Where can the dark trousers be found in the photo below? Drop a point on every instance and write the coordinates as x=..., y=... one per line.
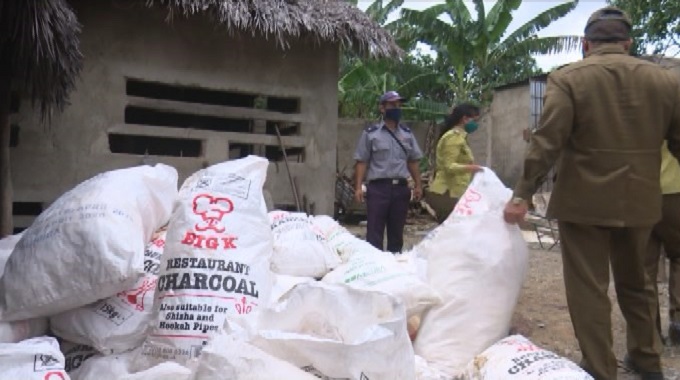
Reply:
x=387, y=206
x=587, y=252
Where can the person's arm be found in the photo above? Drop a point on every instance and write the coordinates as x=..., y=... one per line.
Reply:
x=362, y=155
x=414, y=170
x=546, y=144
x=414, y=157
x=452, y=146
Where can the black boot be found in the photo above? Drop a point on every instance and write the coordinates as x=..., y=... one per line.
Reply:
x=628, y=362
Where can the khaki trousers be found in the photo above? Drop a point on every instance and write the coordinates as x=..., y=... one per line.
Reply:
x=442, y=204
x=587, y=252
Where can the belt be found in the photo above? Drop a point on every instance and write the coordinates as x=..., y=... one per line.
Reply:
x=391, y=181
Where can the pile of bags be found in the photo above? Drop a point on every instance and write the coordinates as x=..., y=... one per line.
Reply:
x=127, y=277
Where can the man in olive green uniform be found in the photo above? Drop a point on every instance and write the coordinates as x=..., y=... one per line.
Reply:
x=605, y=118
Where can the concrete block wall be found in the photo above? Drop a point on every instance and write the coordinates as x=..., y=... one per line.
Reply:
x=127, y=45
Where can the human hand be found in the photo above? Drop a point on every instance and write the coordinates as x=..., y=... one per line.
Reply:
x=417, y=193
x=359, y=195
x=515, y=211
x=474, y=168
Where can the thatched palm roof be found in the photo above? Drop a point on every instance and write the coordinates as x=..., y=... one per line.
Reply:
x=39, y=47
x=325, y=20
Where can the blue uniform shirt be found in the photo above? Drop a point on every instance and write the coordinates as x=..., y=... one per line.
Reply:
x=383, y=155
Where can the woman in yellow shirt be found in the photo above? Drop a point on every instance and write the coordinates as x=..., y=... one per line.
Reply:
x=454, y=161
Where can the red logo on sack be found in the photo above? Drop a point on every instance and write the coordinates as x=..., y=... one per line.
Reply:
x=54, y=376
x=242, y=307
x=135, y=297
x=211, y=210
x=464, y=206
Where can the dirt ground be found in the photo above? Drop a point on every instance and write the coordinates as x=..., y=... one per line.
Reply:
x=541, y=314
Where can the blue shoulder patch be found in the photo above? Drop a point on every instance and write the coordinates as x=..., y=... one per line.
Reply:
x=405, y=128
x=371, y=128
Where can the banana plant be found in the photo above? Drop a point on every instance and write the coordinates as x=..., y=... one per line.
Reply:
x=475, y=49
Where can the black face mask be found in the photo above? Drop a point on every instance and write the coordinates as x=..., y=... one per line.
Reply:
x=393, y=114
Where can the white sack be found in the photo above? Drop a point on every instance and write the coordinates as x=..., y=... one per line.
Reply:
x=339, y=239
x=14, y=332
x=300, y=249
x=101, y=367
x=284, y=284
x=75, y=355
x=216, y=259
x=342, y=332
x=89, y=244
x=380, y=271
x=515, y=357
x=413, y=262
x=229, y=358
x=163, y=371
x=119, y=323
x=425, y=372
x=85, y=363
x=477, y=263
x=32, y=359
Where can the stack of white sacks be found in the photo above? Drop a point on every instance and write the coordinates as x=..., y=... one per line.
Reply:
x=125, y=277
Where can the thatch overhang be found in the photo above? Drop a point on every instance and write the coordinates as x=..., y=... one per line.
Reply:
x=335, y=21
x=40, y=50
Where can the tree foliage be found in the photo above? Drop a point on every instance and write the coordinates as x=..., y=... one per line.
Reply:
x=470, y=55
x=656, y=24
x=478, y=52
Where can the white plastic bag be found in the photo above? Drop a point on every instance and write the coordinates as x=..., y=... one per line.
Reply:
x=7, y=245
x=425, y=372
x=85, y=363
x=339, y=239
x=414, y=263
x=284, y=284
x=300, y=249
x=342, y=332
x=119, y=323
x=515, y=357
x=216, y=260
x=32, y=359
x=14, y=332
x=228, y=358
x=163, y=371
x=380, y=271
x=477, y=264
x=89, y=244
x=75, y=356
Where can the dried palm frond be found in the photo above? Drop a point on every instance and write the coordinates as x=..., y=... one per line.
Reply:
x=335, y=21
x=39, y=44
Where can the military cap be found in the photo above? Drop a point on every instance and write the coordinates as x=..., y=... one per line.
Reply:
x=608, y=24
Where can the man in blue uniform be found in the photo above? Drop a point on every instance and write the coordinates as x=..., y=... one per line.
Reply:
x=385, y=155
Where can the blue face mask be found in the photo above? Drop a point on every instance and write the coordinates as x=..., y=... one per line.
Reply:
x=393, y=114
x=471, y=126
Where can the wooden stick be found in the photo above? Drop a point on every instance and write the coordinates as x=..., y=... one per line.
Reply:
x=290, y=176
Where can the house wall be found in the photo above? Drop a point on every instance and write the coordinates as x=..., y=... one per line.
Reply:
x=480, y=140
x=510, y=114
x=509, y=117
x=123, y=41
